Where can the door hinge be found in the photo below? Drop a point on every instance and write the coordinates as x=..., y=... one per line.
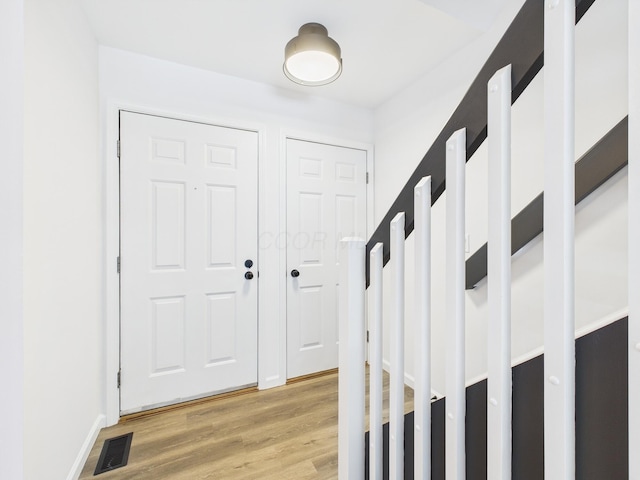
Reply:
x=367, y=178
x=119, y=377
x=118, y=264
x=367, y=336
x=118, y=148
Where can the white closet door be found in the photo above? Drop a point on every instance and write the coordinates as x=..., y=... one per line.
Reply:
x=188, y=225
x=326, y=201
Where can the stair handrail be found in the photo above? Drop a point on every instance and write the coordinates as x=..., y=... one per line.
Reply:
x=522, y=46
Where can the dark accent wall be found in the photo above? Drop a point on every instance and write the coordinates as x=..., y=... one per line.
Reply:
x=527, y=455
x=602, y=445
x=521, y=46
x=476, y=431
x=602, y=414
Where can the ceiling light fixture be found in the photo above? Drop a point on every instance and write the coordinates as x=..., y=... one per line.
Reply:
x=312, y=58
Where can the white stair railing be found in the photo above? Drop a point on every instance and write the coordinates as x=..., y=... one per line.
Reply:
x=559, y=338
x=396, y=352
x=634, y=238
x=375, y=363
x=351, y=353
x=559, y=213
x=500, y=394
x=455, y=392
x=422, y=349
x=499, y=271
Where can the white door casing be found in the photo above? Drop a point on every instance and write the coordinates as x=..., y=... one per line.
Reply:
x=188, y=224
x=326, y=201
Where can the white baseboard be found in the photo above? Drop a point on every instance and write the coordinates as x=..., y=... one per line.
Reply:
x=536, y=352
x=85, y=450
x=408, y=379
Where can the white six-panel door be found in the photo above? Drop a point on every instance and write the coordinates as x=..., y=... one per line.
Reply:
x=326, y=201
x=188, y=225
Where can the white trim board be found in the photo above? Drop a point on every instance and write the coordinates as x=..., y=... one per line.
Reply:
x=85, y=450
x=581, y=332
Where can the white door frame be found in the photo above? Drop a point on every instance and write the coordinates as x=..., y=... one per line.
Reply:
x=109, y=154
x=285, y=135
x=109, y=151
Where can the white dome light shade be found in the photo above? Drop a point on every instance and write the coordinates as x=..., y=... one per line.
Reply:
x=312, y=58
x=312, y=66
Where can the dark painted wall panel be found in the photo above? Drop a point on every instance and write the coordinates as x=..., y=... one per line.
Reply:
x=601, y=416
x=602, y=444
x=527, y=458
x=476, y=431
x=437, y=440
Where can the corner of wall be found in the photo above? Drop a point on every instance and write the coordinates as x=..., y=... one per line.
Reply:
x=11, y=238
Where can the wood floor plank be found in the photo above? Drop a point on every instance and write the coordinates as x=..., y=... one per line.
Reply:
x=281, y=433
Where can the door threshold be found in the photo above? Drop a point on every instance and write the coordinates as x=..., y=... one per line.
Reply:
x=189, y=403
x=302, y=378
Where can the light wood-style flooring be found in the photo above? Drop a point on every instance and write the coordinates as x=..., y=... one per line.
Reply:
x=289, y=432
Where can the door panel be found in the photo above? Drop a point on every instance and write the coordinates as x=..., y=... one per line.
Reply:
x=326, y=201
x=311, y=323
x=167, y=335
x=188, y=223
x=168, y=223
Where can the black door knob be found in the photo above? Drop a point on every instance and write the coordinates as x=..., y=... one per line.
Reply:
x=295, y=273
x=248, y=263
x=248, y=275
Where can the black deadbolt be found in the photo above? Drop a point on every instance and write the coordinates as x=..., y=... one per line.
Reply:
x=248, y=275
x=295, y=273
x=248, y=263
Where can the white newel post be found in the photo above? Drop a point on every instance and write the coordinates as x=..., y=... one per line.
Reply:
x=375, y=363
x=559, y=212
x=351, y=363
x=634, y=238
x=396, y=376
x=422, y=386
x=455, y=403
x=499, y=277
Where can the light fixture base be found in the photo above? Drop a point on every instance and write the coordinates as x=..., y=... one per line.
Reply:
x=312, y=58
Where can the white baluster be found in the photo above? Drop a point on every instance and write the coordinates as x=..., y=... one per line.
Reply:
x=375, y=363
x=422, y=386
x=559, y=192
x=634, y=238
x=351, y=360
x=499, y=277
x=455, y=403
x=396, y=386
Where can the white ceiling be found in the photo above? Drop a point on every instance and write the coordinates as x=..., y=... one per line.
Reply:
x=386, y=44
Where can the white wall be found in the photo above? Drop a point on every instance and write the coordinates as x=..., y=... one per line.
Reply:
x=62, y=240
x=146, y=84
x=405, y=129
x=11, y=314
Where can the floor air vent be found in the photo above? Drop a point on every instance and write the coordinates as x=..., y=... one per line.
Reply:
x=115, y=453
